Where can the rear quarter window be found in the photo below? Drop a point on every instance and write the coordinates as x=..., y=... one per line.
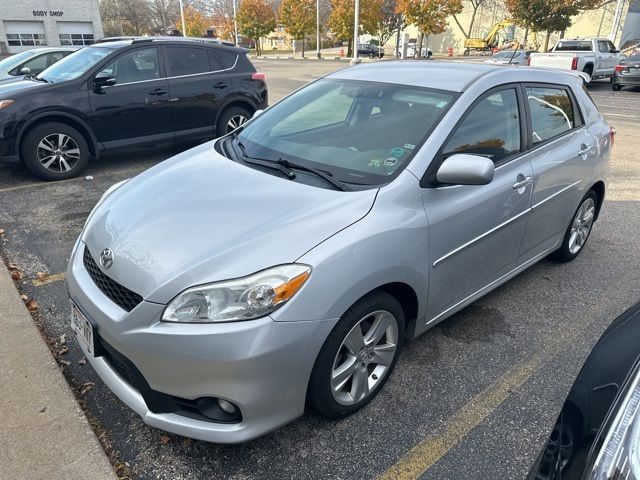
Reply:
x=227, y=58
x=551, y=112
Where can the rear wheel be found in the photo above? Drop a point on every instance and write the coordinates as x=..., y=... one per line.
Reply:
x=616, y=87
x=358, y=356
x=578, y=231
x=230, y=119
x=54, y=151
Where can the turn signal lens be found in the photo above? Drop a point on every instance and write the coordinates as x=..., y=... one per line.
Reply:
x=287, y=290
x=5, y=103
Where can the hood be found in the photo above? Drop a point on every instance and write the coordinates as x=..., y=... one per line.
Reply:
x=200, y=217
x=10, y=87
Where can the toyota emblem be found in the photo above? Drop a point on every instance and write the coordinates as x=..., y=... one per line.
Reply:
x=106, y=258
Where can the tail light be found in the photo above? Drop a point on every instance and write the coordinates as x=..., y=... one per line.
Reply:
x=574, y=63
x=612, y=133
x=620, y=68
x=258, y=76
x=528, y=61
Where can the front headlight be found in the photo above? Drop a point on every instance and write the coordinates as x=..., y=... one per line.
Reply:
x=241, y=299
x=619, y=455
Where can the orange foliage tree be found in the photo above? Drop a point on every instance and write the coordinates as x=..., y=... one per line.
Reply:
x=256, y=18
x=298, y=17
x=195, y=22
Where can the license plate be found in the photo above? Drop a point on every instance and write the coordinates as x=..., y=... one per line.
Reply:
x=82, y=327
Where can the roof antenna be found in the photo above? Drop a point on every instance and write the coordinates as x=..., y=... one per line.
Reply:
x=514, y=52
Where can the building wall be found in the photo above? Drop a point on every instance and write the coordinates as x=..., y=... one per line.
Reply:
x=53, y=17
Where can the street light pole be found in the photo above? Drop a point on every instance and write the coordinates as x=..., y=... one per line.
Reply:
x=355, y=32
x=318, y=28
x=184, y=27
x=235, y=23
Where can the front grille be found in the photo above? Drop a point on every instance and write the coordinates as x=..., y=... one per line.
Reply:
x=121, y=296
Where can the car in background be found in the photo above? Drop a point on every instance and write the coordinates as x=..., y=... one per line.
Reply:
x=31, y=62
x=510, y=57
x=627, y=73
x=370, y=50
x=288, y=262
x=125, y=93
x=597, y=434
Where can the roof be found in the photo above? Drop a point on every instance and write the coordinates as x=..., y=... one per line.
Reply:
x=119, y=42
x=443, y=75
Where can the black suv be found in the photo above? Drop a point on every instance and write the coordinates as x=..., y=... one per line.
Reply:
x=122, y=93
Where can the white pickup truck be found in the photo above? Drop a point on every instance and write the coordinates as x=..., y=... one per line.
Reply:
x=597, y=57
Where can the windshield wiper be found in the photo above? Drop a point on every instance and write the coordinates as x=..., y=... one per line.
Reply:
x=263, y=163
x=325, y=176
x=33, y=76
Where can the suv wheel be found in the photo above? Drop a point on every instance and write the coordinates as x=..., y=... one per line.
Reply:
x=358, y=356
x=231, y=119
x=54, y=151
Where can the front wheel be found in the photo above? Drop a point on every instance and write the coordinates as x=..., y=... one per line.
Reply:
x=578, y=231
x=358, y=356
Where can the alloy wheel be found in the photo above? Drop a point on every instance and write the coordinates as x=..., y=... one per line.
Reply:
x=364, y=357
x=58, y=152
x=235, y=122
x=581, y=225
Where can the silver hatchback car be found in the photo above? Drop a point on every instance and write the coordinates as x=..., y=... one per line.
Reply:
x=286, y=264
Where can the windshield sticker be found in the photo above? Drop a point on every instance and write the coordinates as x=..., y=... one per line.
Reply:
x=376, y=162
x=390, y=162
x=409, y=146
x=397, y=152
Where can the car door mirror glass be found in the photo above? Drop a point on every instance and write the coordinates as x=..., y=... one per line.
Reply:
x=465, y=169
x=104, y=80
x=25, y=71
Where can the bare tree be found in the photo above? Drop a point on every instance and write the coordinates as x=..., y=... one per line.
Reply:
x=164, y=13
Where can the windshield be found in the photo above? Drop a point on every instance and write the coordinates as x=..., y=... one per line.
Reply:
x=575, y=46
x=358, y=131
x=506, y=54
x=11, y=62
x=74, y=65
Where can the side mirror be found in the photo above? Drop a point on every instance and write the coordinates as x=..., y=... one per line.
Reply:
x=464, y=169
x=257, y=113
x=25, y=71
x=614, y=50
x=104, y=80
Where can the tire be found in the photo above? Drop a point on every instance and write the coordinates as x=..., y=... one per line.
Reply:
x=68, y=149
x=348, y=349
x=616, y=87
x=236, y=114
x=571, y=247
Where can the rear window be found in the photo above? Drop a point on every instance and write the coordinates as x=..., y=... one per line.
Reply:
x=551, y=112
x=574, y=45
x=186, y=61
x=633, y=58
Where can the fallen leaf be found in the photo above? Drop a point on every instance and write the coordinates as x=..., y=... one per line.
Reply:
x=186, y=442
x=64, y=350
x=86, y=387
x=24, y=297
x=42, y=275
x=1, y=231
x=63, y=339
x=82, y=361
x=43, y=409
x=16, y=275
x=164, y=439
x=32, y=305
x=13, y=266
x=64, y=362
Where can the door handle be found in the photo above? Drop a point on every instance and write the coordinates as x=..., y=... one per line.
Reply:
x=584, y=149
x=157, y=91
x=220, y=85
x=522, y=183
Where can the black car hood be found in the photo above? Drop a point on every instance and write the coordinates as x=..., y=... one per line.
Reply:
x=9, y=87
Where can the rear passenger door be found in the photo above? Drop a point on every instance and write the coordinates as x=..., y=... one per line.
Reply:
x=561, y=150
x=196, y=87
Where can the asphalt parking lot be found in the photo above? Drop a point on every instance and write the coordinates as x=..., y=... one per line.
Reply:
x=474, y=398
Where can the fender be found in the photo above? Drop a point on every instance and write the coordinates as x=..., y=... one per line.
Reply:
x=93, y=141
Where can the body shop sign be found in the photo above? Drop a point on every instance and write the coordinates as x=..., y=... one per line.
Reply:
x=48, y=13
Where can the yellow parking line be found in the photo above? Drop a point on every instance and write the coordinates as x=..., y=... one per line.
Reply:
x=57, y=277
x=428, y=451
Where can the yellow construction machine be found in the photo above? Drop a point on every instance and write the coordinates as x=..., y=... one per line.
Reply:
x=487, y=43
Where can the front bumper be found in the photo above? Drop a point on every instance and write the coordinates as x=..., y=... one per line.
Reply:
x=262, y=366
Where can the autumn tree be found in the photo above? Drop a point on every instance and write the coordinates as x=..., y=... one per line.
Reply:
x=341, y=20
x=388, y=21
x=195, y=22
x=430, y=16
x=256, y=18
x=298, y=17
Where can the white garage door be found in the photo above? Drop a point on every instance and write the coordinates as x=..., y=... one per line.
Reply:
x=75, y=33
x=24, y=35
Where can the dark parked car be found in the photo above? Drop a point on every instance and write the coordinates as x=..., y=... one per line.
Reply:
x=124, y=93
x=627, y=73
x=32, y=62
x=370, y=50
x=597, y=435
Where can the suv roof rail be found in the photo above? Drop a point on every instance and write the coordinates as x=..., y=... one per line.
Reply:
x=114, y=39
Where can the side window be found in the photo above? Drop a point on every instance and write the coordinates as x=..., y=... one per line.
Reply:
x=54, y=57
x=186, y=61
x=213, y=61
x=551, y=112
x=227, y=58
x=135, y=66
x=603, y=47
x=611, y=46
x=36, y=65
x=491, y=129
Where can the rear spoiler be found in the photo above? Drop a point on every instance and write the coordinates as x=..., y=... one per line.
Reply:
x=586, y=78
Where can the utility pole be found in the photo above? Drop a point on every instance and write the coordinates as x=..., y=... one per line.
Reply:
x=616, y=21
x=235, y=23
x=184, y=27
x=318, y=29
x=355, y=32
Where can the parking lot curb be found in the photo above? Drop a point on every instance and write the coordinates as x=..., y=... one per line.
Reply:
x=44, y=433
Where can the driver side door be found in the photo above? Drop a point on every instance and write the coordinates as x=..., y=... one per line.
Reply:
x=475, y=231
